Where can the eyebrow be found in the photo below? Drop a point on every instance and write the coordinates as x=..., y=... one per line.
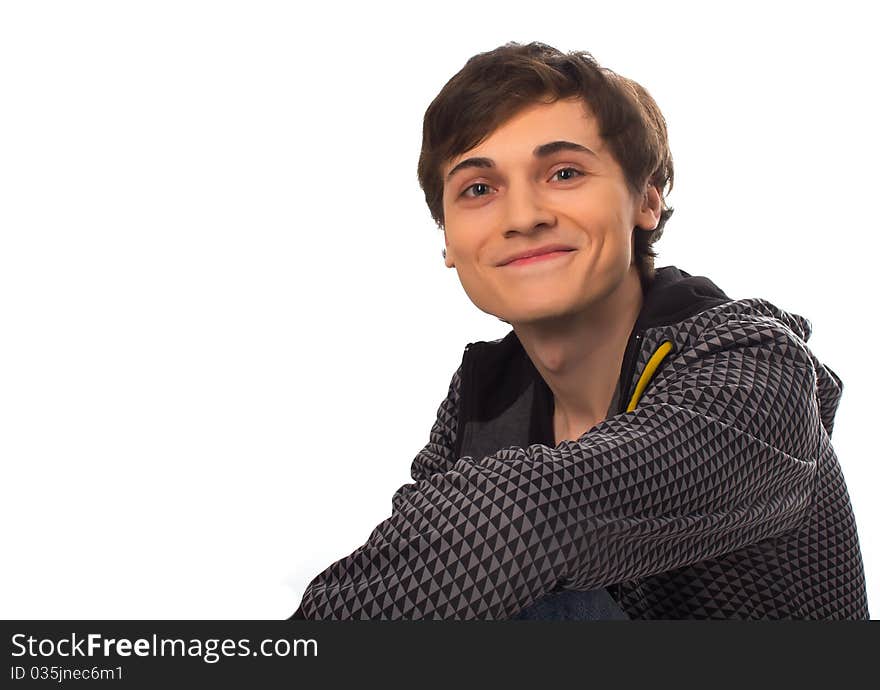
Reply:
x=541, y=151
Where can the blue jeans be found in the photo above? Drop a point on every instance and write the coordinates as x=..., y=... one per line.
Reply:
x=567, y=605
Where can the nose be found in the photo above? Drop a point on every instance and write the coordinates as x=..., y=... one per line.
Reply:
x=526, y=210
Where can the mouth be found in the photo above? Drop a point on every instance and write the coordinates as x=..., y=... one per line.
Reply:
x=538, y=258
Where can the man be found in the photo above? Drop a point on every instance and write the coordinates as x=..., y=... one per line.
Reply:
x=639, y=445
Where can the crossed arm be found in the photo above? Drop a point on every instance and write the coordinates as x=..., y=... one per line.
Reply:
x=710, y=461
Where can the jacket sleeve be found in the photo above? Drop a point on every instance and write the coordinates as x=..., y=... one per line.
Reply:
x=720, y=453
x=438, y=453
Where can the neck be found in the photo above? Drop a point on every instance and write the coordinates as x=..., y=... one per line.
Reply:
x=579, y=355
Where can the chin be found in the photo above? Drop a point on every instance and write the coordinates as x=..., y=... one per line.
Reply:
x=534, y=313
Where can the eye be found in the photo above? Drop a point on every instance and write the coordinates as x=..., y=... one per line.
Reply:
x=577, y=172
x=467, y=189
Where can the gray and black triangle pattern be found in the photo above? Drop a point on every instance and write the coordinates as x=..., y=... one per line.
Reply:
x=719, y=496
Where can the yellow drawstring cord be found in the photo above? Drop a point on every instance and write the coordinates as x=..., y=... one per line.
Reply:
x=650, y=368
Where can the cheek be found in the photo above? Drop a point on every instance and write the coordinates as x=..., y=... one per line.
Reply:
x=467, y=250
x=475, y=276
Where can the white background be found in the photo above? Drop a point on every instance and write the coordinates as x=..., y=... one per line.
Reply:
x=225, y=325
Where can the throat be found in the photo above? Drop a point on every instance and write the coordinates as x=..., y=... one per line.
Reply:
x=571, y=429
x=571, y=432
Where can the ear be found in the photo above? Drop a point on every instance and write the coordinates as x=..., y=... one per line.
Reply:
x=448, y=259
x=648, y=212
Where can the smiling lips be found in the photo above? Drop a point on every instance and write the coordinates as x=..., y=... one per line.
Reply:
x=542, y=254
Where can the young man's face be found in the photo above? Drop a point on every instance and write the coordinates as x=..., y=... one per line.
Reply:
x=572, y=199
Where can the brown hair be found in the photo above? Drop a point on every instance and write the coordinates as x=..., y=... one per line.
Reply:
x=494, y=86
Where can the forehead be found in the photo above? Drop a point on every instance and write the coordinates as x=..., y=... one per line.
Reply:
x=534, y=125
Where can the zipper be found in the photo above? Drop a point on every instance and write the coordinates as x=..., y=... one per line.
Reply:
x=628, y=374
x=464, y=397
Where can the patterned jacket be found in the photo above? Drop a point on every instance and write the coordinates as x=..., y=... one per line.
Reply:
x=714, y=492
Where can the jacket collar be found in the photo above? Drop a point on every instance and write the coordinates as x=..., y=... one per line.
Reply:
x=504, y=400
